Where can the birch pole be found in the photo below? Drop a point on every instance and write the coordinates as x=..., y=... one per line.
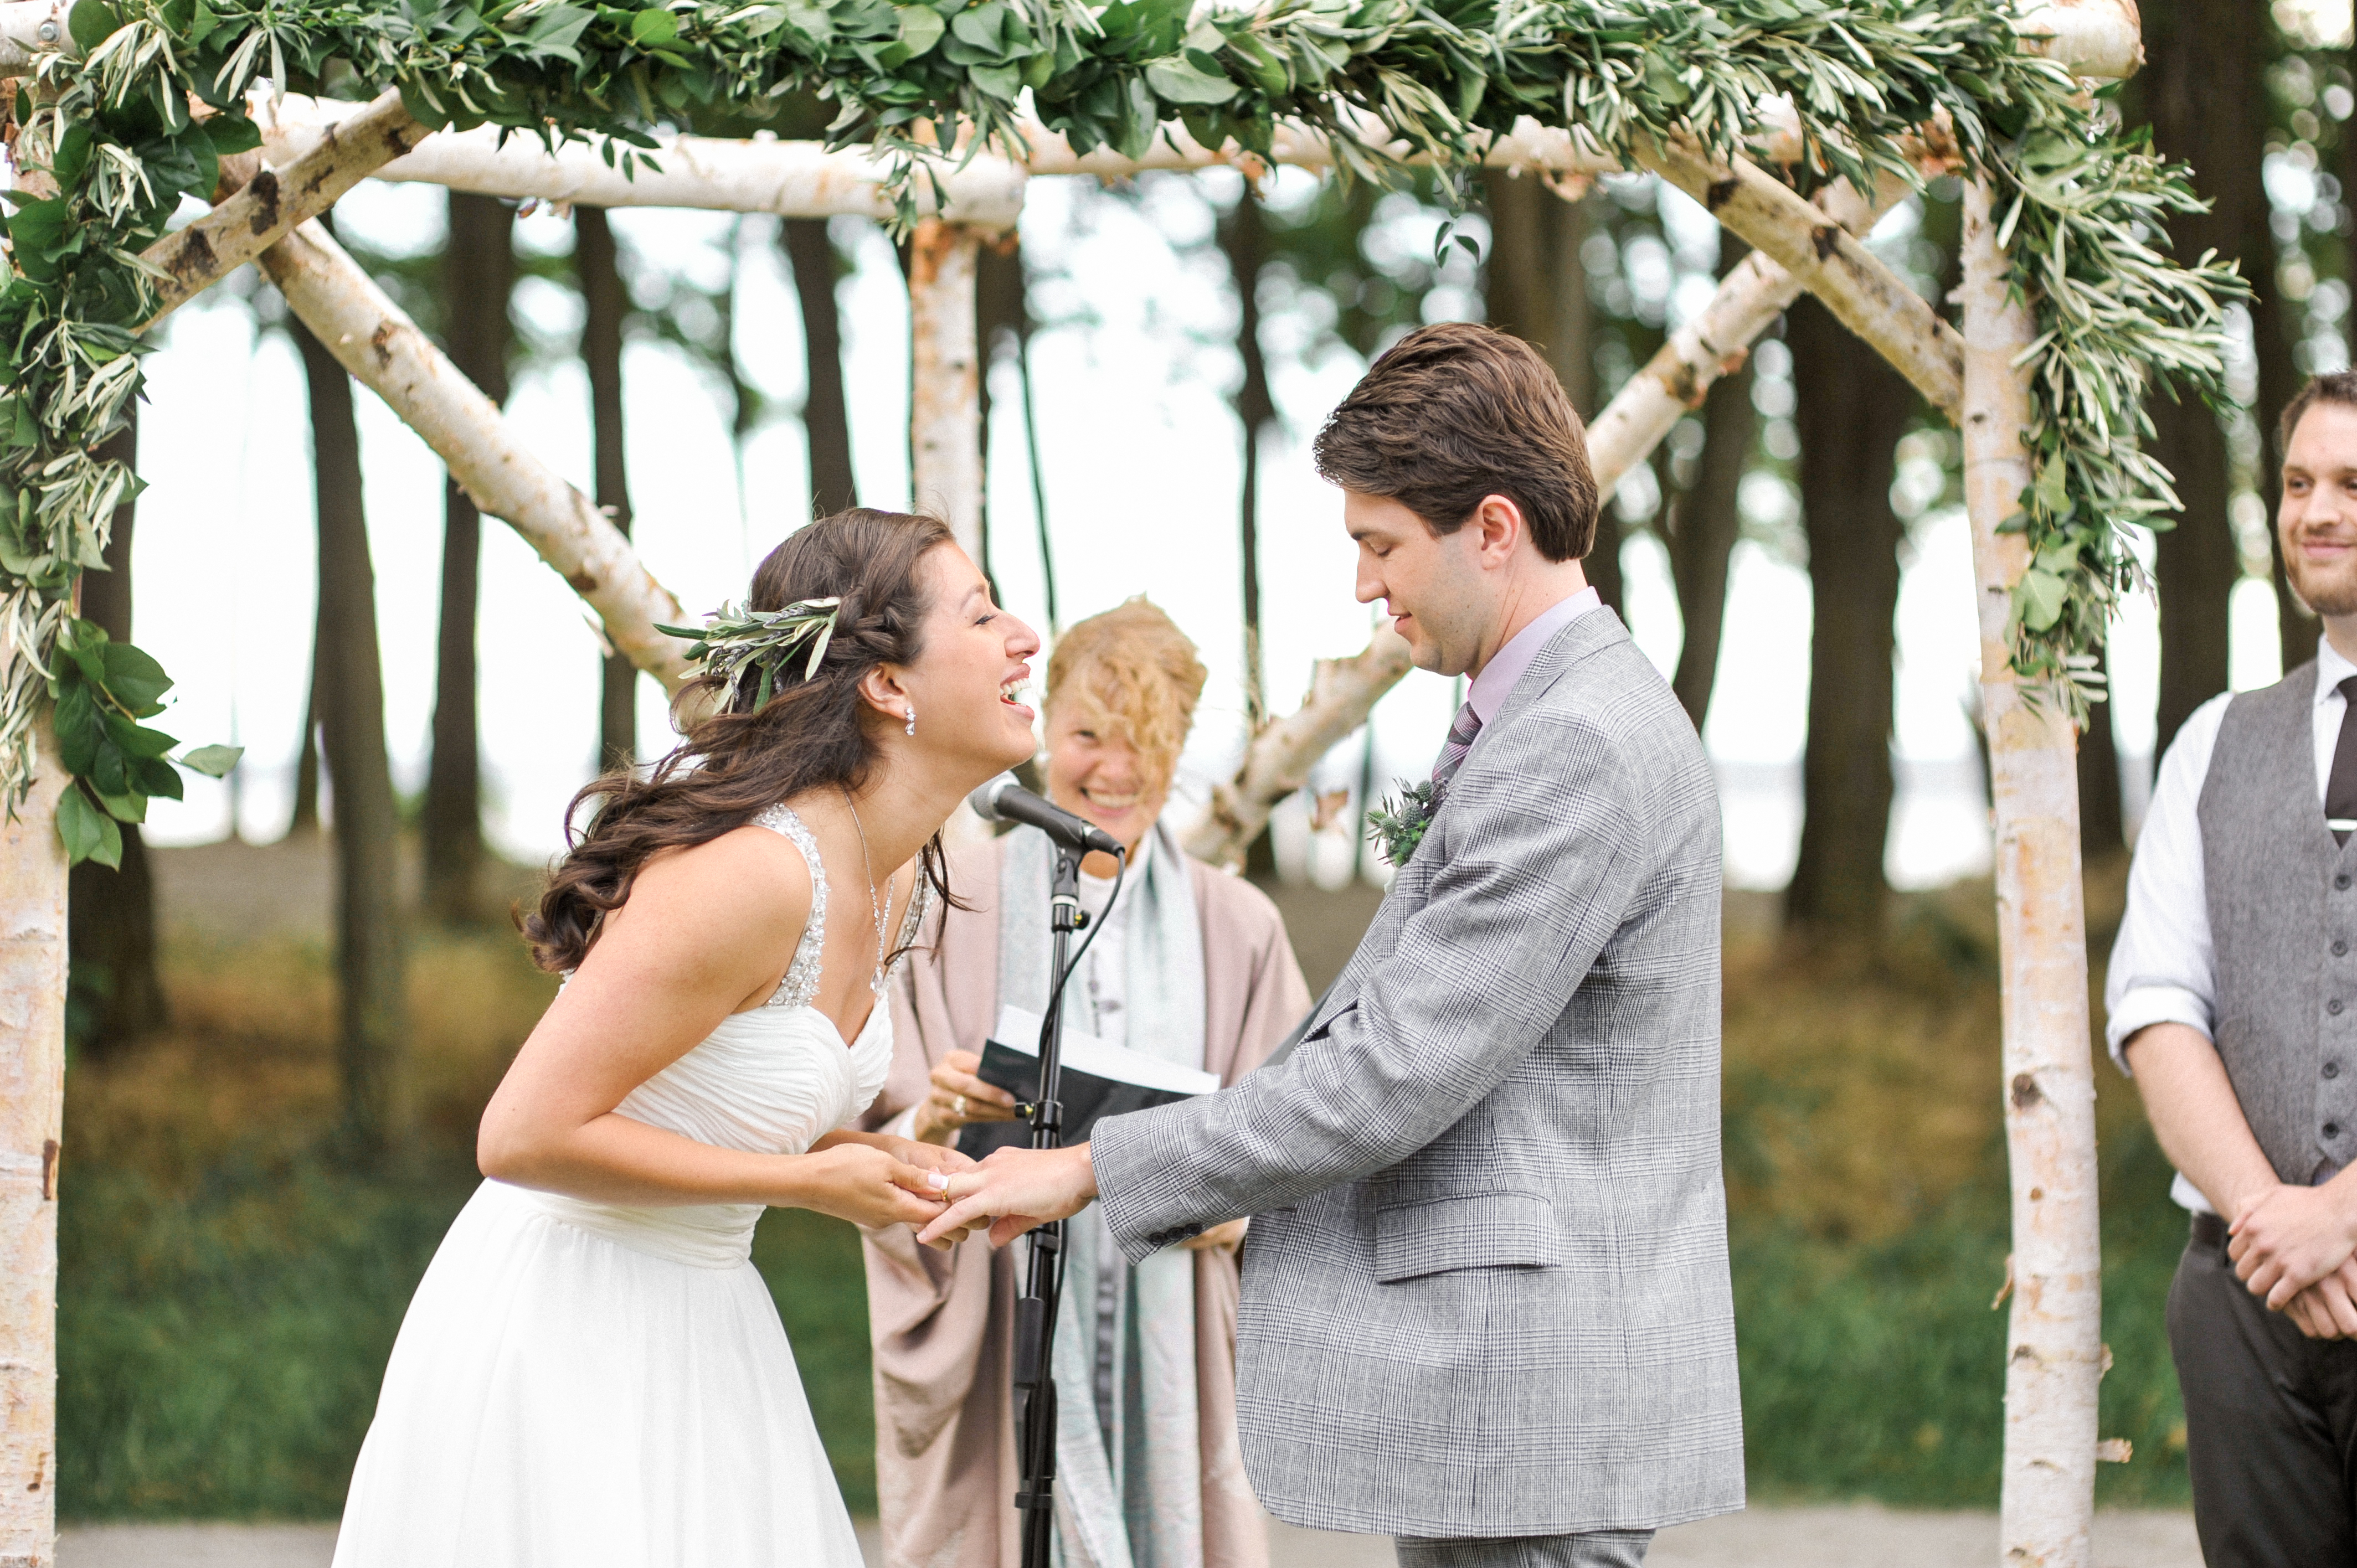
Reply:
x=2054, y=1340
x=32, y=1106
x=945, y=406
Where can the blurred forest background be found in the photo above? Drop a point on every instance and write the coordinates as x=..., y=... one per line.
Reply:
x=281, y=1041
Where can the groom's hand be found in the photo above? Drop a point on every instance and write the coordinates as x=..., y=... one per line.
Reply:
x=1015, y=1190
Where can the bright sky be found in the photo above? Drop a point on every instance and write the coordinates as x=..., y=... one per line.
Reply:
x=1140, y=465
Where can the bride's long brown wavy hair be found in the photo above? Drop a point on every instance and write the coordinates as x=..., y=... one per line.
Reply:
x=738, y=762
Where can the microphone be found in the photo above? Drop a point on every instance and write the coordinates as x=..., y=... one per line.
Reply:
x=1004, y=800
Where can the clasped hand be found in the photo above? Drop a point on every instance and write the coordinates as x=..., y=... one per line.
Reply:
x=2293, y=1247
x=1012, y=1191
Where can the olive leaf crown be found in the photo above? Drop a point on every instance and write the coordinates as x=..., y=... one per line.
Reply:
x=732, y=643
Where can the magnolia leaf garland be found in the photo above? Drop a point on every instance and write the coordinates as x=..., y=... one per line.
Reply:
x=2084, y=201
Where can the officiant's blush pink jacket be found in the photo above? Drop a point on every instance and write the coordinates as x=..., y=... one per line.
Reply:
x=945, y=1458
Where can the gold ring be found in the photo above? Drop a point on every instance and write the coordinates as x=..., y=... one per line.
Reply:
x=959, y=1111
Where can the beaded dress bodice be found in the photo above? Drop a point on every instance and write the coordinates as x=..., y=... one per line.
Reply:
x=772, y=1079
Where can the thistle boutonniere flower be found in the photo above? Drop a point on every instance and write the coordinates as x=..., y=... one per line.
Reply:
x=1399, y=822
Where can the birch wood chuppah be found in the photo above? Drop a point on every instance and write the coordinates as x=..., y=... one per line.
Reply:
x=1857, y=102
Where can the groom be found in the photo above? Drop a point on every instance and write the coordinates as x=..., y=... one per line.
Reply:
x=1485, y=1295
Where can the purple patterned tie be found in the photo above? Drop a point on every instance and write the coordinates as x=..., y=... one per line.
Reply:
x=1453, y=749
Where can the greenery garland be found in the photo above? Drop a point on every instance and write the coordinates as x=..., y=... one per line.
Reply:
x=2083, y=202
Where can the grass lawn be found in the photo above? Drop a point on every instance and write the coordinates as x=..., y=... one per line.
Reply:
x=227, y=1294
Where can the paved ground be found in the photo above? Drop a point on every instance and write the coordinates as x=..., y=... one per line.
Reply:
x=1859, y=1536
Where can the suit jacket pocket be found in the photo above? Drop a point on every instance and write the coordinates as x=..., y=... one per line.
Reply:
x=1478, y=1230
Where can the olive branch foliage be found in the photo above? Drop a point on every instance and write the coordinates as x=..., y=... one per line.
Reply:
x=1387, y=81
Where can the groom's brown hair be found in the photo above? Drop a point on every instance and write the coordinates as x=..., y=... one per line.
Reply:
x=1458, y=412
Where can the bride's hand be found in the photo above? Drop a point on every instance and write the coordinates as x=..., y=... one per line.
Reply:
x=943, y=1157
x=869, y=1185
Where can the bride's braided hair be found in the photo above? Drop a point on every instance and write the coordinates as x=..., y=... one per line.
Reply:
x=737, y=763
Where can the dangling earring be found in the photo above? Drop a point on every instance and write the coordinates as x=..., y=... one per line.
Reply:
x=912, y=721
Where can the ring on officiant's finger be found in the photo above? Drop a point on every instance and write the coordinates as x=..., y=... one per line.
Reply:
x=959, y=1109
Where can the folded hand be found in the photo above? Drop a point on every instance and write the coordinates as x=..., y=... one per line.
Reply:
x=2289, y=1239
x=1015, y=1190
x=2328, y=1309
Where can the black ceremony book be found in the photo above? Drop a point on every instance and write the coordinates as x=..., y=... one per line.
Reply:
x=1096, y=1080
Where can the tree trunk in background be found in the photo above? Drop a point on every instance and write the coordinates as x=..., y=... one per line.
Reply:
x=1001, y=322
x=1850, y=420
x=826, y=423
x=2202, y=88
x=1537, y=290
x=605, y=302
x=477, y=274
x=369, y=959
x=111, y=914
x=304, y=817
x=1702, y=538
x=1243, y=236
x=2275, y=326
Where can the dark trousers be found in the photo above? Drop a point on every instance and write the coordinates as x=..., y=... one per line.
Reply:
x=1595, y=1549
x=2270, y=1420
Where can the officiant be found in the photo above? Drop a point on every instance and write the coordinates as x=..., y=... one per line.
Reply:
x=1191, y=967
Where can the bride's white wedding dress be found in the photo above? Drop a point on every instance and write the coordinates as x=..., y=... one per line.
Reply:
x=584, y=1385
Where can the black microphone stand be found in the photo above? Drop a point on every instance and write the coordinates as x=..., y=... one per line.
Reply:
x=1035, y=1309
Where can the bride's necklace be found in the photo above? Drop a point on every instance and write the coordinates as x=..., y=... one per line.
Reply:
x=876, y=908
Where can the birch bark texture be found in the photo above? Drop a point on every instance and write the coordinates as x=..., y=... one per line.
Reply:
x=945, y=405
x=32, y=1107
x=376, y=341
x=2054, y=1339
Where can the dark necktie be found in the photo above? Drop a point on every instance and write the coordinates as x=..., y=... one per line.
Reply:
x=1469, y=725
x=2340, y=786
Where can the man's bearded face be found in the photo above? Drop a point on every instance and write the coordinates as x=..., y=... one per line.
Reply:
x=2317, y=521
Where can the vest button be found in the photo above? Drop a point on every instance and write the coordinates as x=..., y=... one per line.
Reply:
x=2333, y=1069
x=2341, y=880
x=2333, y=1129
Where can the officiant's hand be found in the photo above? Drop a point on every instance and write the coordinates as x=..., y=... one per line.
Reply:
x=959, y=1099
x=1015, y=1190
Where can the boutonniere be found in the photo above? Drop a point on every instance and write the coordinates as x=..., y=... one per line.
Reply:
x=1399, y=822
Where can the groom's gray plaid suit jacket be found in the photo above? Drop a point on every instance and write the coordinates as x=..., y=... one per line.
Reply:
x=1486, y=1289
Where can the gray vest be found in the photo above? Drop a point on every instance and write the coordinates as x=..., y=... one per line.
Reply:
x=2283, y=919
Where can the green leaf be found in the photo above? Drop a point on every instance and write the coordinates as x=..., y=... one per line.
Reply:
x=137, y=740
x=981, y=27
x=79, y=729
x=130, y=807
x=998, y=81
x=653, y=26
x=91, y=23
x=232, y=134
x=920, y=29
x=134, y=678
x=2043, y=596
x=86, y=832
x=212, y=761
x=1177, y=81
x=153, y=776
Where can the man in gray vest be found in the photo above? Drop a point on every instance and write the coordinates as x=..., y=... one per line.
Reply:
x=2232, y=997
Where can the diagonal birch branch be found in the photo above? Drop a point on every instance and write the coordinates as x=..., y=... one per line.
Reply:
x=274, y=200
x=1829, y=261
x=371, y=337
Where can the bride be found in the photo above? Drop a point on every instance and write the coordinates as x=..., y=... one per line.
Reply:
x=591, y=1372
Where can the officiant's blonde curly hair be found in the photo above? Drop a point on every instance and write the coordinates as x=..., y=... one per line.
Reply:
x=1135, y=675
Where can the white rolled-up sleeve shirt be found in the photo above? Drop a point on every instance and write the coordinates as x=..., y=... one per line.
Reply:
x=2163, y=969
